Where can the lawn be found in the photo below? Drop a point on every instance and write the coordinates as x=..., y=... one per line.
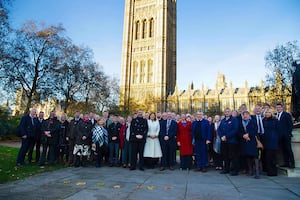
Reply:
x=10, y=172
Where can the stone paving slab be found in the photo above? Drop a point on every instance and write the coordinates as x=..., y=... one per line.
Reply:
x=118, y=183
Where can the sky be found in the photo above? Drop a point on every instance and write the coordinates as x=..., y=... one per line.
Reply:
x=213, y=36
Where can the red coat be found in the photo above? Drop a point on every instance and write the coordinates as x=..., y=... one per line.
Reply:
x=184, y=136
x=122, y=135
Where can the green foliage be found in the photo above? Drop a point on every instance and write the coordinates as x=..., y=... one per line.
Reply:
x=10, y=172
x=8, y=125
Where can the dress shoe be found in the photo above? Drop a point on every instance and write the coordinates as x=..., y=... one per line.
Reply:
x=224, y=172
x=198, y=169
x=142, y=169
x=292, y=166
x=162, y=169
x=204, y=170
x=172, y=168
x=234, y=174
x=132, y=168
x=284, y=165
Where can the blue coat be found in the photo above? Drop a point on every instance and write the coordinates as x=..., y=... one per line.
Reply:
x=205, y=130
x=248, y=148
x=229, y=128
x=26, y=126
x=271, y=136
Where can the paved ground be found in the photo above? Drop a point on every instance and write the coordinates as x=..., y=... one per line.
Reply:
x=118, y=183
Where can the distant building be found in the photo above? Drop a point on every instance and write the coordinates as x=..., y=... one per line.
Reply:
x=223, y=96
x=45, y=106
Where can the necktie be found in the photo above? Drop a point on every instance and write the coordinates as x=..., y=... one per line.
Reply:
x=32, y=121
x=168, y=125
x=279, y=115
x=260, y=125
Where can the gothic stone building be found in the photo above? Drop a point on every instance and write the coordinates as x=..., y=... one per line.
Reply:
x=222, y=96
x=148, y=71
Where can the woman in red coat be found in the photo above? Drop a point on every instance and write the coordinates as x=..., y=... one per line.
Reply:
x=184, y=141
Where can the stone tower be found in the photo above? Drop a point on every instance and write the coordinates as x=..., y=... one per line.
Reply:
x=148, y=71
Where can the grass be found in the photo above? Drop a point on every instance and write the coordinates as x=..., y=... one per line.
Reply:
x=10, y=172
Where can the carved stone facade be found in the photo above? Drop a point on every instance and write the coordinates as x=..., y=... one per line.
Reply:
x=148, y=71
x=223, y=96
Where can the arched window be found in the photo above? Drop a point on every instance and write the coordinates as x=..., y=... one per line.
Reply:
x=151, y=28
x=144, y=33
x=137, y=30
x=142, y=72
x=150, y=71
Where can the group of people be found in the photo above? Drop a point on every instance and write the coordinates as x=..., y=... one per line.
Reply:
x=228, y=142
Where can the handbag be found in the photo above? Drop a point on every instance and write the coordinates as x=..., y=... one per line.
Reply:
x=259, y=145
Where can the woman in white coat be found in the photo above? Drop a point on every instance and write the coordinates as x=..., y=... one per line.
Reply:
x=152, y=150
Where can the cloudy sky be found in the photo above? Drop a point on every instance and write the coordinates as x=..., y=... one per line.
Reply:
x=213, y=36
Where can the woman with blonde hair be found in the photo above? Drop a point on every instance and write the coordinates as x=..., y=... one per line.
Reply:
x=271, y=139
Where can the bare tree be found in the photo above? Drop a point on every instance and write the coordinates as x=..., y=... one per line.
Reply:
x=279, y=62
x=68, y=79
x=107, y=95
x=33, y=51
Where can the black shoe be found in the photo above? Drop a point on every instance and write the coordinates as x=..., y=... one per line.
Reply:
x=284, y=165
x=292, y=166
x=142, y=169
x=41, y=164
x=19, y=164
x=132, y=168
x=234, y=174
x=224, y=172
x=111, y=165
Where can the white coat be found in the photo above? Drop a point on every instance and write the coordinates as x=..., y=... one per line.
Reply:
x=152, y=147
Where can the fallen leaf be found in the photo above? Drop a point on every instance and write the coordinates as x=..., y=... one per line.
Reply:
x=139, y=187
x=80, y=183
x=116, y=186
x=67, y=182
x=167, y=188
x=100, y=184
x=151, y=187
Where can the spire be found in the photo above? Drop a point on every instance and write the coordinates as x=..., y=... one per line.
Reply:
x=246, y=84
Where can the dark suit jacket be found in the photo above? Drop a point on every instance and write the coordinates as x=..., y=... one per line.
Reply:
x=285, y=124
x=39, y=131
x=253, y=117
x=138, y=126
x=172, y=130
x=26, y=126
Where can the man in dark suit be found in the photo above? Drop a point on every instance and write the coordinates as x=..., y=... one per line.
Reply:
x=285, y=126
x=138, y=134
x=28, y=132
x=258, y=118
x=71, y=135
x=168, y=142
x=37, y=139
